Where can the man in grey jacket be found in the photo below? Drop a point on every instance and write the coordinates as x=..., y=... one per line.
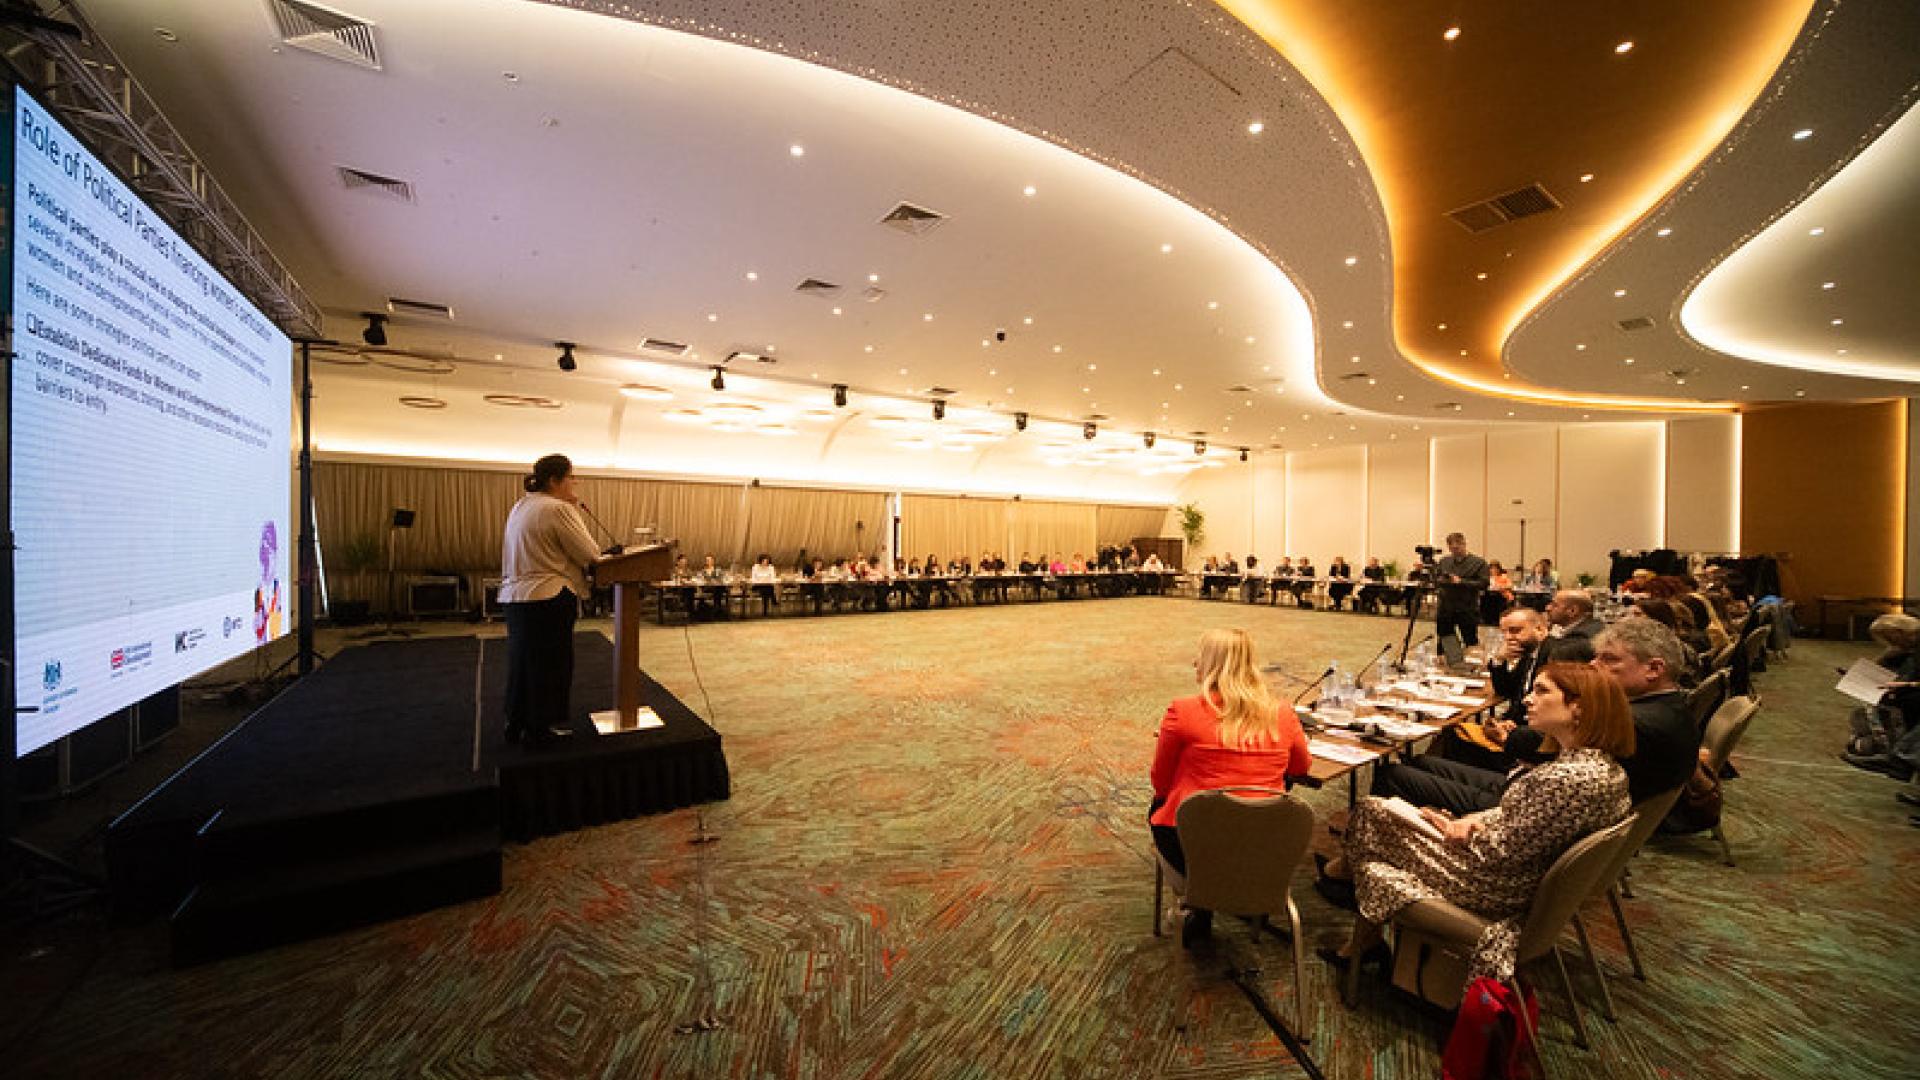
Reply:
x=1460, y=578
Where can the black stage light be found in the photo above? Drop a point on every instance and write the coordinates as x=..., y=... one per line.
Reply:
x=376, y=331
x=1019, y=421
x=566, y=361
x=939, y=410
x=1148, y=439
x=1200, y=448
x=840, y=395
x=1243, y=453
x=1090, y=430
x=719, y=379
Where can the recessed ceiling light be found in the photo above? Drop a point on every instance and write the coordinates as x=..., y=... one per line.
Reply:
x=1093, y=367
x=1628, y=360
x=1256, y=127
x=1443, y=326
x=873, y=278
x=1582, y=347
x=1839, y=352
x=1619, y=292
x=1663, y=232
x=1156, y=371
x=1029, y=191
x=713, y=316
x=165, y=34
x=797, y=150
x=1481, y=276
x=1352, y=259
x=869, y=348
x=1166, y=249
x=1744, y=386
x=928, y=317
x=836, y=311
x=1817, y=230
x=1463, y=352
x=1177, y=386
x=1453, y=32
x=1799, y=393
x=1623, y=48
x=1373, y=382
x=1347, y=325
x=1086, y=389
x=992, y=372
x=1056, y=348
x=1586, y=178
x=643, y=392
x=1826, y=284
x=1213, y=305
x=1509, y=412
x=752, y=276
x=903, y=371
x=1803, y=134
x=1353, y=359
x=1028, y=320
x=1838, y=322
x=1249, y=339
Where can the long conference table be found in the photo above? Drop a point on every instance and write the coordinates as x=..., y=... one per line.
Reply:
x=1395, y=716
x=729, y=595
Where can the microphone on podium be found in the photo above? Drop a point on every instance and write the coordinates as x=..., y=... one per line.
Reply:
x=1309, y=687
x=614, y=547
x=1384, y=650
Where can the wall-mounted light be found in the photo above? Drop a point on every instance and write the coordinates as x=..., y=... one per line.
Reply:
x=566, y=360
x=376, y=331
x=1019, y=421
x=840, y=395
x=719, y=379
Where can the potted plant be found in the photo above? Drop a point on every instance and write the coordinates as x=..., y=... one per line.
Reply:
x=1193, y=525
x=1392, y=567
x=358, y=556
x=1585, y=578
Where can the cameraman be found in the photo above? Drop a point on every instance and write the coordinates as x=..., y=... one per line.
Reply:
x=1460, y=578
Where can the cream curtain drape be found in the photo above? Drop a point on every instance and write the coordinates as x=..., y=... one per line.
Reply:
x=782, y=522
x=1120, y=525
x=1053, y=528
x=948, y=526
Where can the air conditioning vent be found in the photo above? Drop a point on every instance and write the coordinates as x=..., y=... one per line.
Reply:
x=426, y=309
x=913, y=220
x=939, y=391
x=662, y=345
x=1448, y=406
x=360, y=179
x=1101, y=418
x=1638, y=322
x=1351, y=376
x=1512, y=206
x=332, y=34
x=1239, y=388
x=816, y=287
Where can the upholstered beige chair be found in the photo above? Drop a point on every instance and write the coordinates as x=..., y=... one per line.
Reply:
x=1647, y=816
x=1703, y=699
x=1242, y=847
x=1724, y=732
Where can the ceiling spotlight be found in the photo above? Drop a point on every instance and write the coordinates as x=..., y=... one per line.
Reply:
x=1243, y=453
x=939, y=410
x=1664, y=232
x=1803, y=135
x=1256, y=127
x=1352, y=259
x=1200, y=448
x=1453, y=33
x=566, y=361
x=1586, y=178
x=1019, y=421
x=796, y=150
x=1089, y=430
x=376, y=331
x=1029, y=191
x=1148, y=439
x=719, y=378
x=840, y=395
x=1623, y=48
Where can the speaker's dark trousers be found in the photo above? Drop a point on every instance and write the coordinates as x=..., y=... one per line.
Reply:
x=540, y=664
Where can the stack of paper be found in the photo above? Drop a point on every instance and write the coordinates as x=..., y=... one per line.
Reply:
x=1344, y=753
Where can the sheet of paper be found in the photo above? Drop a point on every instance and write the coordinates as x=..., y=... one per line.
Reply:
x=1466, y=700
x=1405, y=729
x=1344, y=753
x=1407, y=812
x=1865, y=681
x=1424, y=708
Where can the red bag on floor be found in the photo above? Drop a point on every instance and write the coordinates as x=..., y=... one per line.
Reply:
x=1489, y=1042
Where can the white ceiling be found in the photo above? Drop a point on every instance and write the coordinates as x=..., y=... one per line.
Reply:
x=626, y=178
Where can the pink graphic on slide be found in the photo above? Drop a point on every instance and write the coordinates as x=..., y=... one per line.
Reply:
x=266, y=595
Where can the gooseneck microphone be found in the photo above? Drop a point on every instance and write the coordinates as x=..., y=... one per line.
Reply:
x=1384, y=650
x=1309, y=687
x=614, y=547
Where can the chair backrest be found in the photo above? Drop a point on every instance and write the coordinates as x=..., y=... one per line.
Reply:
x=1756, y=643
x=1242, y=851
x=1577, y=874
x=1706, y=697
x=1724, y=731
x=1648, y=813
x=1723, y=656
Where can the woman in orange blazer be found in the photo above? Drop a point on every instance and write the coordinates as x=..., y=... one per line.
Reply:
x=1233, y=733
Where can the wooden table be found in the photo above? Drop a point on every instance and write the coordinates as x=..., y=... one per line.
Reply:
x=1327, y=768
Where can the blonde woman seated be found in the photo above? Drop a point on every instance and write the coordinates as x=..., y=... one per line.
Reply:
x=1491, y=862
x=1233, y=732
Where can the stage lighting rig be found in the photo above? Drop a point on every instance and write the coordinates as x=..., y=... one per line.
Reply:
x=376, y=332
x=566, y=360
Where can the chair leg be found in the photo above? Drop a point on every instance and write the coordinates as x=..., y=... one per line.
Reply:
x=1593, y=964
x=1626, y=883
x=1363, y=938
x=1526, y=1020
x=1159, y=895
x=1726, y=849
x=1299, y=973
x=1626, y=935
x=1573, y=1003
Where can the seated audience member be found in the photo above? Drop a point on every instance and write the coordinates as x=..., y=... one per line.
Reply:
x=1340, y=585
x=682, y=570
x=1524, y=651
x=1883, y=736
x=1491, y=862
x=1228, y=565
x=1572, y=625
x=1499, y=594
x=1280, y=580
x=1676, y=619
x=1374, y=592
x=1232, y=732
x=765, y=579
x=1209, y=576
x=1303, y=581
x=1637, y=582
x=710, y=602
x=1542, y=577
x=1255, y=582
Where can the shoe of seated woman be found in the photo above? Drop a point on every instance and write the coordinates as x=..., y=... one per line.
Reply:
x=1196, y=927
x=1336, y=891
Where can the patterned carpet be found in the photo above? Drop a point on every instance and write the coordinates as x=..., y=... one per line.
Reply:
x=934, y=864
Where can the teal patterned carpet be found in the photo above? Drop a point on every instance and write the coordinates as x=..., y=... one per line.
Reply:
x=934, y=864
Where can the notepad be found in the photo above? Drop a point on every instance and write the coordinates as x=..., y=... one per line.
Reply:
x=1410, y=814
x=1344, y=753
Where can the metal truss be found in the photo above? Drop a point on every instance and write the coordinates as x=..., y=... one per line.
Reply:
x=87, y=86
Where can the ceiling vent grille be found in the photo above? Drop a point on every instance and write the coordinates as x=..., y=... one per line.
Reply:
x=1448, y=406
x=332, y=34
x=426, y=309
x=1638, y=322
x=662, y=345
x=1514, y=205
x=913, y=220
x=816, y=287
x=1351, y=376
x=1239, y=388
x=361, y=180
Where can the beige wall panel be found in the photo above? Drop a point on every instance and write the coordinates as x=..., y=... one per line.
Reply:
x=1459, y=488
x=1327, y=505
x=1522, y=483
x=1397, y=476
x=1611, y=493
x=1703, y=484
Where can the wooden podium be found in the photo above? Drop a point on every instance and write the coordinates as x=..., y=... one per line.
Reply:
x=625, y=573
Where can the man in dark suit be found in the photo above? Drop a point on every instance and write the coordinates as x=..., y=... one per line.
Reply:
x=1572, y=625
x=1460, y=577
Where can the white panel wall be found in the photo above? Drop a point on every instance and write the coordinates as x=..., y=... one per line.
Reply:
x=1459, y=489
x=1327, y=506
x=1703, y=484
x=1245, y=506
x=1269, y=508
x=1396, y=501
x=1612, y=492
x=1522, y=485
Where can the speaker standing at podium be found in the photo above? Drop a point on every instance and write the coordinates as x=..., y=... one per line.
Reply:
x=543, y=578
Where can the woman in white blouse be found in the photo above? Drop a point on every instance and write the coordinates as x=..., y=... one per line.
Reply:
x=543, y=579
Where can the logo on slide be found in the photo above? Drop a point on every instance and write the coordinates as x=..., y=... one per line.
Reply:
x=50, y=677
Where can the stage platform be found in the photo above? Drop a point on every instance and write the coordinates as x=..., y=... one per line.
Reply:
x=381, y=785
